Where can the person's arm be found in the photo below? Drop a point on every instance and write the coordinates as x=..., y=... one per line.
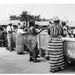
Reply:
x=8, y=29
x=13, y=30
x=24, y=33
x=49, y=31
x=61, y=31
x=40, y=31
x=37, y=32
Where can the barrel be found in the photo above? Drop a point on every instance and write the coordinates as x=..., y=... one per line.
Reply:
x=69, y=47
x=42, y=40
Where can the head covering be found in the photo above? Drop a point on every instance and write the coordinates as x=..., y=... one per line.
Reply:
x=56, y=19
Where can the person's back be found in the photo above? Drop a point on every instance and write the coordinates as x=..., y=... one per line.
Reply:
x=55, y=46
x=55, y=30
x=32, y=31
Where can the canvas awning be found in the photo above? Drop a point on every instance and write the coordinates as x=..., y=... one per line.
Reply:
x=42, y=23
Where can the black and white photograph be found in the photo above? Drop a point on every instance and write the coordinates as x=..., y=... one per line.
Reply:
x=37, y=38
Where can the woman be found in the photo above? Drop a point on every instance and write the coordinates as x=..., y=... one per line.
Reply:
x=20, y=40
x=33, y=42
x=55, y=47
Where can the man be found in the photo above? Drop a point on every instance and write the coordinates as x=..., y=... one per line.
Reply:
x=10, y=36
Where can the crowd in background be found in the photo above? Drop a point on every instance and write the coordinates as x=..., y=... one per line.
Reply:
x=22, y=38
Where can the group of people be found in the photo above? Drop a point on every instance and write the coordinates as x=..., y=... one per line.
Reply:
x=22, y=38
x=56, y=31
x=67, y=31
x=28, y=38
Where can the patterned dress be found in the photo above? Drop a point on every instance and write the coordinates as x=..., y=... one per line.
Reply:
x=19, y=42
x=55, y=48
x=32, y=44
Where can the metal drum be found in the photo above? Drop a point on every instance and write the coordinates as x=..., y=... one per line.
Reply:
x=69, y=49
x=42, y=40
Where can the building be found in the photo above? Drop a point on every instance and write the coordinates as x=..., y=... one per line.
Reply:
x=14, y=22
x=42, y=23
x=71, y=25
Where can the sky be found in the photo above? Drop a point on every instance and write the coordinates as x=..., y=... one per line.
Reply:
x=63, y=11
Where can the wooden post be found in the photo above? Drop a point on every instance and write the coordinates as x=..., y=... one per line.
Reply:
x=40, y=50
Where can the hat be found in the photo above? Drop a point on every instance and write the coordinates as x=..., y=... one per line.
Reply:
x=56, y=19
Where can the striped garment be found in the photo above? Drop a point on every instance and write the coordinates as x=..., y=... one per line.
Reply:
x=56, y=54
x=55, y=30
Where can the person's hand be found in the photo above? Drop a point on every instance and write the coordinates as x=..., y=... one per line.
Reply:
x=43, y=28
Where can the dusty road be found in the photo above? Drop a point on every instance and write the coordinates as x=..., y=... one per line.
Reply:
x=11, y=63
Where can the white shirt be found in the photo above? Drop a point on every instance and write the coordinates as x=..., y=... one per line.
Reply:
x=20, y=31
x=73, y=31
x=9, y=28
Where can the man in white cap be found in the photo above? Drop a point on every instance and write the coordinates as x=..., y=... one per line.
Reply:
x=10, y=36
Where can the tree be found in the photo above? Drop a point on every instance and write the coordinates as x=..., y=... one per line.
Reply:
x=14, y=17
x=24, y=16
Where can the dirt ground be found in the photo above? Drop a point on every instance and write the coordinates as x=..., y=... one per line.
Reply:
x=12, y=63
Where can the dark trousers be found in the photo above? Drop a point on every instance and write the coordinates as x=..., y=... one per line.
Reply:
x=33, y=56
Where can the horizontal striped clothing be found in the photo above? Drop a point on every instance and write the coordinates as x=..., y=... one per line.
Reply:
x=55, y=30
x=56, y=54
